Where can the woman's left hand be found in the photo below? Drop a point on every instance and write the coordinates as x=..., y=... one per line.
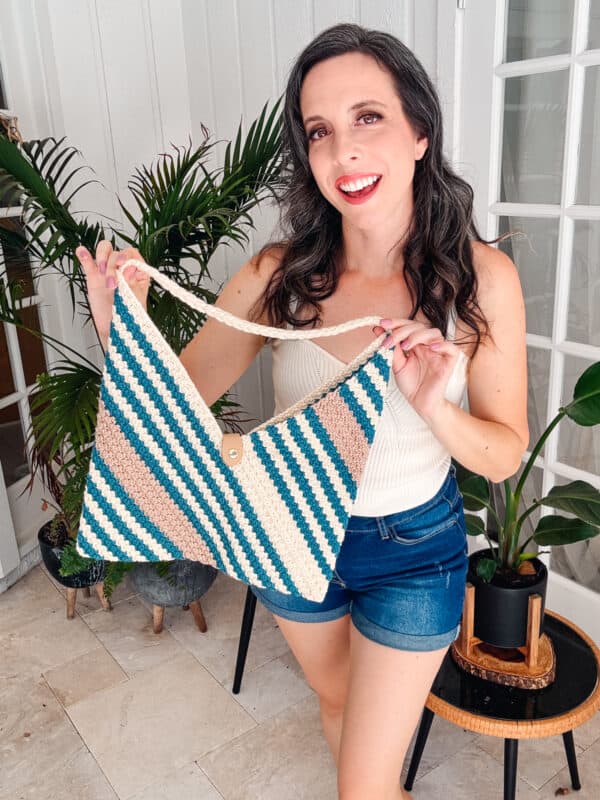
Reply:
x=422, y=364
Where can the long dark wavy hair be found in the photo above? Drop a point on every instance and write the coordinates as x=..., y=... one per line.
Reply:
x=438, y=263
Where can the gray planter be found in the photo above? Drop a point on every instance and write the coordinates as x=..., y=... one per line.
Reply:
x=191, y=580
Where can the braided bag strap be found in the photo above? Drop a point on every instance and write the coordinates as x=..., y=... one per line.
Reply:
x=227, y=318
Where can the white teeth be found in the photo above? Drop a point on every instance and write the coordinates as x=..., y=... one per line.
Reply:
x=361, y=183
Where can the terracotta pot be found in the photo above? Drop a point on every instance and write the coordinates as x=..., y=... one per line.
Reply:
x=501, y=606
x=52, y=549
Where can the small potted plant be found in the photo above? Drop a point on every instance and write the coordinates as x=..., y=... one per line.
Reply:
x=507, y=572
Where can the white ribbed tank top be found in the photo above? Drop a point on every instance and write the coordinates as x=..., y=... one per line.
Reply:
x=406, y=464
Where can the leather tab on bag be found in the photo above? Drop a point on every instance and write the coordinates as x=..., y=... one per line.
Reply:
x=232, y=448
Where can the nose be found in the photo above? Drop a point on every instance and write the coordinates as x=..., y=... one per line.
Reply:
x=345, y=147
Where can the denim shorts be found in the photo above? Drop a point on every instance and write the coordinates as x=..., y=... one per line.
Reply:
x=401, y=577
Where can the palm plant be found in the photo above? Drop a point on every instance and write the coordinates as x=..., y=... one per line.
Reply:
x=182, y=211
x=578, y=498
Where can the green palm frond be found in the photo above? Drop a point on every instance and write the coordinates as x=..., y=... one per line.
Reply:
x=64, y=406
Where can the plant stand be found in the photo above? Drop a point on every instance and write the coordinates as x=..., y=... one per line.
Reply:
x=530, y=667
x=72, y=598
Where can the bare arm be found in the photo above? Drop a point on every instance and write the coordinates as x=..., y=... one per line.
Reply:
x=218, y=355
x=492, y=438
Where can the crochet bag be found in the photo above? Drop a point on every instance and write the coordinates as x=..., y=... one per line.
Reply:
x=269, y=507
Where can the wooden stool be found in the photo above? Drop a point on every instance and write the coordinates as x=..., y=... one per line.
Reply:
x=158, y=613
x=72, y=598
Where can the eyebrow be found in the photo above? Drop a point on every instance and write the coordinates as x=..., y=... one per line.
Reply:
x=355, y=107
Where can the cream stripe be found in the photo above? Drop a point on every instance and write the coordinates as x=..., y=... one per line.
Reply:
x=297, y=495
x=276, y=516
x=99, y=546
x=308, y=469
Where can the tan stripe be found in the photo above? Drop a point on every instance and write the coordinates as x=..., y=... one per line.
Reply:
x=143, y=488
x=345, y=430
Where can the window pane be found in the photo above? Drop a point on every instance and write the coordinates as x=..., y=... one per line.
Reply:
x=535, y=108
x=533, y=248
x=577, y=446
x=32, y=350
x=7, y=385
x=584, y=297
x=579, y=561
x=594, y=29
x=538, y=366
x=538, y=28
x=588, y=190
x=12, y=445
x=16, y=264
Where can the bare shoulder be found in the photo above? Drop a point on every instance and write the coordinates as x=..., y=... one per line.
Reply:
x=249, y=283
x=498, y=284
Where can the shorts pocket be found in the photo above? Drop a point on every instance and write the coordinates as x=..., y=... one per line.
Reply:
x=418, y=530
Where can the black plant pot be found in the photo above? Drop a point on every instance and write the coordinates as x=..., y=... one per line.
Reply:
x=52, y=546
x=501, y=606
x=191, y=580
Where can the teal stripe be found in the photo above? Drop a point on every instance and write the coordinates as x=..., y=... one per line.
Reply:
x=303, y=483
x=287, y=497
x=360, y=414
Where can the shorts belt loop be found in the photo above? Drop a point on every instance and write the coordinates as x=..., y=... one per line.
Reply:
x=382, y=528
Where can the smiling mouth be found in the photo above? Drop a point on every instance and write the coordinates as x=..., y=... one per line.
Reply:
x=359, y=189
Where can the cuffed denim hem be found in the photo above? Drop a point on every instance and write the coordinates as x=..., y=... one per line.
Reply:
x=402, y=641
x=302, y=616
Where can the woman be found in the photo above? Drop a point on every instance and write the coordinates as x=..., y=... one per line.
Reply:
x=377, y=223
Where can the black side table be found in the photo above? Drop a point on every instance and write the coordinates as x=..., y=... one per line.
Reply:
x=485, y=707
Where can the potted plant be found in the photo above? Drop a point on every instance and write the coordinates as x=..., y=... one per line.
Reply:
x=183, y=211
x=507, y=571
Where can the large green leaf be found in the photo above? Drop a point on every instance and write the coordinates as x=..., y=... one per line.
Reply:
x=554, y=529
x=476, y=492
x=578, y=498
x=584, y=409
x=475, y=525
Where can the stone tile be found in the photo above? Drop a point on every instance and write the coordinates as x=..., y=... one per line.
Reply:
x=589, y=776
x=158, y=722
x=42, y=644
x=470, y=774
x=84, y=675
x=187, y=782
x=444, y=740
x=538, y=760
x=77, y=776
x=36, y=736
x=285, y=758
x=269, y=689
x=30, y=597
x=127, y=634
x=223, y=607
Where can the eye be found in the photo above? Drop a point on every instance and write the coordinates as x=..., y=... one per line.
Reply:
x=316, y=133
x=370, y=117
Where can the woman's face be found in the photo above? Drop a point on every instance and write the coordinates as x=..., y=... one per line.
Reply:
x=361, y=147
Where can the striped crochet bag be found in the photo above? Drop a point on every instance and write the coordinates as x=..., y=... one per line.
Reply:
x=269, y=507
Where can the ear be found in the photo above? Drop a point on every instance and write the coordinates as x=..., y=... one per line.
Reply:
x=421, y=146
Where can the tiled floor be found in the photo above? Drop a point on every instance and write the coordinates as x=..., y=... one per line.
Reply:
x=99, y=707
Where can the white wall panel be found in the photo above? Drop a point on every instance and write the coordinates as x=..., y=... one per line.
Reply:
x=124, y=78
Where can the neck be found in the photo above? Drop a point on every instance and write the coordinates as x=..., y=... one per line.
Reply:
x=376, y=251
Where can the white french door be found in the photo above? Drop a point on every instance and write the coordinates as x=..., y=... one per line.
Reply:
x=529, y=142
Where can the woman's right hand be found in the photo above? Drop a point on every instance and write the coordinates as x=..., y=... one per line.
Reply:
x=101, y=279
